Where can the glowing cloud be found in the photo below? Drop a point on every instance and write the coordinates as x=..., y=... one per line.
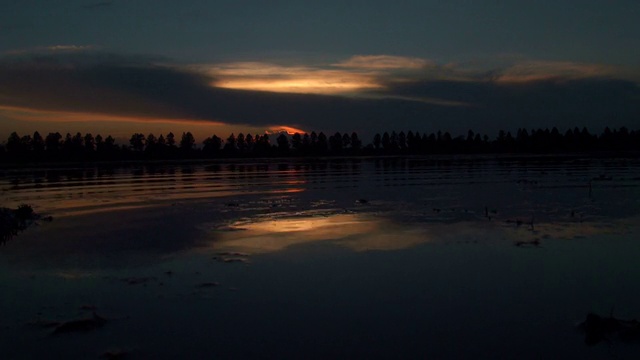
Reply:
x=358, y=73
x=286, y=129
x=289, y=79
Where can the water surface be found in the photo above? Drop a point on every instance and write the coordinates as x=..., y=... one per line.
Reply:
x=366, y=258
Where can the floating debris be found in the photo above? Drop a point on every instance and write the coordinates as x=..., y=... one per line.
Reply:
x=81, y=325
x=532, y=243
x=13, y=221
x=598, y=328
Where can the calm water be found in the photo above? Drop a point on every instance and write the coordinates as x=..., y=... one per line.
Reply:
x=388, y=258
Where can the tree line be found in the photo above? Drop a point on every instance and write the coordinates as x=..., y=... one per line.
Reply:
x=86, y=147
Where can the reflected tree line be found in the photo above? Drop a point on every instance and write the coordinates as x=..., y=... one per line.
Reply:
x=82, y=147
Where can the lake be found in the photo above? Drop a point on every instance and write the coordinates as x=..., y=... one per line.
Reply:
x=440, y=257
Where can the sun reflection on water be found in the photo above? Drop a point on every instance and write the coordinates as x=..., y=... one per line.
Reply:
x=355, y=231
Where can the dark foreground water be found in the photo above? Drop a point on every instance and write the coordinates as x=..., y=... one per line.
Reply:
x=393, y=258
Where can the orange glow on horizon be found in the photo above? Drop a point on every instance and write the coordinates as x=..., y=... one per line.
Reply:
x=288, y=129
x=26, y=121
x=29, y=115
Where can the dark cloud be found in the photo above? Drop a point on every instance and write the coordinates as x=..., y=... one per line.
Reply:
x=592, y=102
x=134, y=86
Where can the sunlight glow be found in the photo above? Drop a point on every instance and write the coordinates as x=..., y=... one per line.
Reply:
x=282, y=128
x=290, y=79
x=26, y=121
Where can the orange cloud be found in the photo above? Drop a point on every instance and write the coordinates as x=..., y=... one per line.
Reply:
x=358, y=73
x=288, y=79
x=282, y=128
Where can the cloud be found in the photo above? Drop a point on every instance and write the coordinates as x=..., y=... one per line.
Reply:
x=290, y=79
x=453, y=99
x=548, y=70
x=69, y=47
x=384, y=62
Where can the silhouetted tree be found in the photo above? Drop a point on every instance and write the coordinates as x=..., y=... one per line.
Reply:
x=335, y=142
x=296, y=142
x=386, y=141
x=99, y=143
x=263, y=145
x=356, y=144
x=241, y=143
x=52, y=142
x=79, y=147
x=187, y=142
x=77, y=144
x=377, y=141
x=14, y=145
x=346, y=141
x=151, y=145
x=306, y=144
x=137, y=142
x=322, y=145
x=37, y=144
x=230, y=145
x=393, y=141
x=283, y=143
x=402, y=141
x=212, y=145
x=109, y=143
x=89, y=143
x=171, y=140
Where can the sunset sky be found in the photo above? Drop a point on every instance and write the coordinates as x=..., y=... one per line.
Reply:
x=118, y=67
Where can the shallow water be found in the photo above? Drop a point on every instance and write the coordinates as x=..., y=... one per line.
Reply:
x=368, y=258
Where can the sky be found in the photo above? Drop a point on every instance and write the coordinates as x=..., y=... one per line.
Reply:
x=215, y=67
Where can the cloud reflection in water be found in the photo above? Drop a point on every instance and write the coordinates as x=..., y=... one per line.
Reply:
x=358, y=232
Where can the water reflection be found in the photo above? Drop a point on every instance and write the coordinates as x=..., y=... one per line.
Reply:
x=417, y=254
x=359, y=232
x=383, y=232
